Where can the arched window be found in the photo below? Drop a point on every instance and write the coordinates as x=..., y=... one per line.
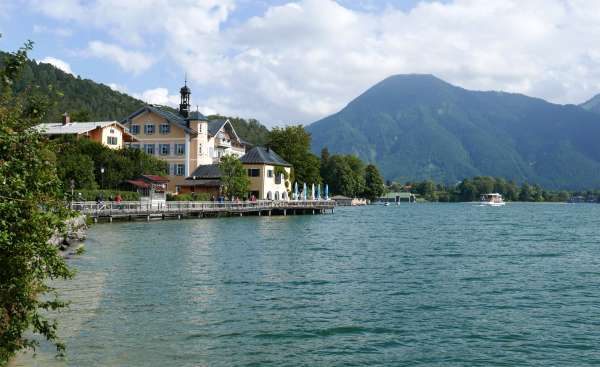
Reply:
x=276, y=195
x=269, y=195
x=284, y=195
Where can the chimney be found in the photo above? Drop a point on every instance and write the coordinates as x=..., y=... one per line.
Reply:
x=66, y=118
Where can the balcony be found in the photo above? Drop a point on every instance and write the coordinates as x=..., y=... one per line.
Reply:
x=219, y=142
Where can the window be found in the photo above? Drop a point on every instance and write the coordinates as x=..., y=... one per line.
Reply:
x=180, y=170
x=165, y=128
x=177, y=189
x=134, y=146
x=112, y=131
x=135, y=129
x=253, y=172
x=270, y=173
x=211, y=152
x=199, y=148
x=148, y=129
x=111, y=140
x=149, y=148
x=163, y=149
x=180, y=149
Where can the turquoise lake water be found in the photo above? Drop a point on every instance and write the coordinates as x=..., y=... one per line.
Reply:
x=419, y=284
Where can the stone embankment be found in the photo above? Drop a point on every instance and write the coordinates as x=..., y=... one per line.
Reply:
x=73, y=235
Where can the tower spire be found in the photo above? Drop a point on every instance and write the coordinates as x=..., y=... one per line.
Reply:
x=184, y=105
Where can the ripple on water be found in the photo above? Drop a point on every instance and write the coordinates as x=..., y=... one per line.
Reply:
x=445, y=285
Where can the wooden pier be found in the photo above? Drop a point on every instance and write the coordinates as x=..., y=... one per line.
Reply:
x=131, y=210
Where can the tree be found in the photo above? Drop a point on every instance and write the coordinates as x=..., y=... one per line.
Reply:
x=81, y=160
x=292, y=143
x=234, y=180
x=373, y=183
x=31, y=211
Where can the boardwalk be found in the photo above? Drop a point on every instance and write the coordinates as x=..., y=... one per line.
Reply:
x=130, y=210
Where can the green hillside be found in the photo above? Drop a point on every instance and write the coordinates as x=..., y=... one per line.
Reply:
x=85, y=99
x=418, y=127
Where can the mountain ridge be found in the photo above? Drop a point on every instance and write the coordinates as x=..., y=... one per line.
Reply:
x=417, y=126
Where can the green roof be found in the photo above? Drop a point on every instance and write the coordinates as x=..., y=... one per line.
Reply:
x=393, y=195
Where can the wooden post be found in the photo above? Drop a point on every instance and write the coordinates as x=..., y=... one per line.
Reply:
x=285, y=212
x=110, y=219
x=269, y=213
x=147, y=218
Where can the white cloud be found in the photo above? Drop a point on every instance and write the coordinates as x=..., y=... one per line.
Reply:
x=130, y=61
x=57, y=63
x=159, y=96
x=302, y=60
x=117, y=87
x=59, y=31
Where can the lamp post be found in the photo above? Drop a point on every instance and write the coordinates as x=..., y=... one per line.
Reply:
x=72, y=187
x=102, y=177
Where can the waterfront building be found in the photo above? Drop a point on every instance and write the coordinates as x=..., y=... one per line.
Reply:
x=111, y=134
x=152, y=188
x=268, y=173
x=184, y=139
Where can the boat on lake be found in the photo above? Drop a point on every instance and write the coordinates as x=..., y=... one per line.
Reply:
x=493, y=199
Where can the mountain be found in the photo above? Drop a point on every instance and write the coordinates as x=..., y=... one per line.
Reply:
x=418, y=127
x=592, y=105
x=87, y=100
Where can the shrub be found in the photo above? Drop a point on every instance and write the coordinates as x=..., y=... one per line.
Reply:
x=91, y=195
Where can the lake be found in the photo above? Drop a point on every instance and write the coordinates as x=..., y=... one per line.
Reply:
x=415, y=284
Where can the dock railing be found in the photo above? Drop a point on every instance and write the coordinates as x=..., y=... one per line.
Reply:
x=111, y=208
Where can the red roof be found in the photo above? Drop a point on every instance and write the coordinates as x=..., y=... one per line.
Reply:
x=156, y=179
x=138, y=183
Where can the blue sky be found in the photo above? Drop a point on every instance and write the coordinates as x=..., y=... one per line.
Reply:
x=297, y=61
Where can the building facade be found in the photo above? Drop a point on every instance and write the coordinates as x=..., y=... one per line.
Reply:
x=184, y=139
x=268, y=173
x=111, y=134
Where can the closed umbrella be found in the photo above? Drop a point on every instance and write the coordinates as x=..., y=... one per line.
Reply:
x=312, y=192
x=304, y=191
x=296, y=190
x=319, y=192
x=326, y=192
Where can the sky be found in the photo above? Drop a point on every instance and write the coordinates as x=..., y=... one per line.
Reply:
x=287, y=62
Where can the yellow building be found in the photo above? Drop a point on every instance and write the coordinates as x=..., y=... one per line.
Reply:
x=109, y=133
x=266, y=172
x=264, y=167
x=184, y=139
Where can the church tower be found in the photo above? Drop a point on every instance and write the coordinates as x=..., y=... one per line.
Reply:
x=184, y=105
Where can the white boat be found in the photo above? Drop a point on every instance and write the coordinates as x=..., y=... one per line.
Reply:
x=493, y=199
